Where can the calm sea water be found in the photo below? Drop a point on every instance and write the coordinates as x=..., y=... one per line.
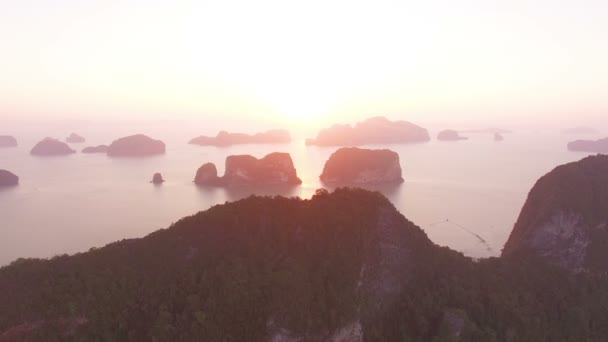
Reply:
x=72, y=203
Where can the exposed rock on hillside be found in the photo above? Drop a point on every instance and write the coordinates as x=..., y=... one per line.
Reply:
x=565, y=219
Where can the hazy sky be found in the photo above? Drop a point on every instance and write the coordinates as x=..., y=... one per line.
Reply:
x=307, y=61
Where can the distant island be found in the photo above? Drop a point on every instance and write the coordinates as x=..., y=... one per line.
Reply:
x=580, y=130
x=8, y=178
x=450, y=135
x=376, y=130
x=356, y=166
x=157, y=179
x=245, y=170
x=498, y=137
x=490, y=130
x=138, y=145
x=96, y=149
x=8, y=141
x=342, y=266
x=224, y=138
x=75, y=139
x=596, y=146
x=51, y=147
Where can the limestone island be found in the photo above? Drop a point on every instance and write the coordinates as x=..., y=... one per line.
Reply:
x=376, y=130
x=274, y=169
x=138, y=145
x=8, y=141
x=450, y=135
x=8, y=178
x=51, y=147
x=224, y=138
x=356, y=166
x=595, y=146
x=96, y=149
x=157, y=179
x=75, y=139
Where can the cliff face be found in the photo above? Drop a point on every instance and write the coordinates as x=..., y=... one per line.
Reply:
x=565, y=218
x=136, y=146
x=51, y=147
x=8, y=178
x=7, y=141
x=355, y=166
x=599, y=146
x=274, y=169
x=224, y=138
x=377, y=130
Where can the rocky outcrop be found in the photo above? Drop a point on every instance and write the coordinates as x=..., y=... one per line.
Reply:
x=450, y=135
x=498, y=137
x=75, y=139
x=136, y=146
x=356, y=166
x=377, y=130
x=8, y=141
x=565, y=218
x=96, y=149
x=51, y=147
x=224, y=138
x=594, y=146
x=157, y=179
x=274, y=169
x=207, y=175
x=8, y=178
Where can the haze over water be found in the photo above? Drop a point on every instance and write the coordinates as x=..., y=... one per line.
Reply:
x=72, y=203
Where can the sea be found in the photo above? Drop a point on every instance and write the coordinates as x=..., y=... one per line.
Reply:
x=466, y=194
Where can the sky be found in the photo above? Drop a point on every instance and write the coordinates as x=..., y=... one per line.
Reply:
x=305, y=62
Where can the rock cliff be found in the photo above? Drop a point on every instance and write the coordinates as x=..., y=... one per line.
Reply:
x=565, y=218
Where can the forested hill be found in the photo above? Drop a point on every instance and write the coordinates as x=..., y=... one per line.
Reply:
x=345, y=266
